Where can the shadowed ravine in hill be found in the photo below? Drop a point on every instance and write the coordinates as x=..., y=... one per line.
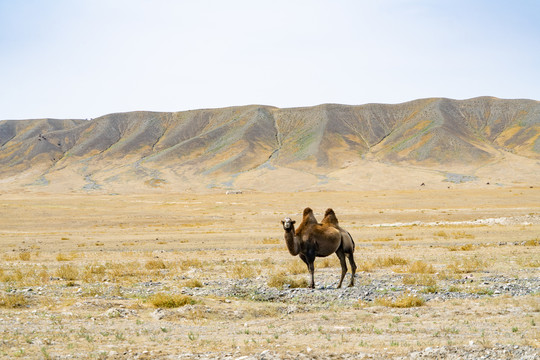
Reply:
x=334, y=147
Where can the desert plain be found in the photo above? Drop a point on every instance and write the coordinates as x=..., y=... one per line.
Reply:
x=442, y=273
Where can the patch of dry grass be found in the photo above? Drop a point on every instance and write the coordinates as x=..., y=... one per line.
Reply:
x=295, y=267
x=62, y=257
x=192, y=283
x=271, y=241
x=191, y=263
x=532, y=242
x=419, y=279
x=155, y=264
x=67, y=272
x=11, y=301
x=404, y=301
x=280, y=280
x=169, y=301
x=466, y=247
x=242, y=270
x=366, y=266
x=442, y=234
x=328, y=262
x=420, y=267
x=92, y=273
x=390, y=261
x=467, y=265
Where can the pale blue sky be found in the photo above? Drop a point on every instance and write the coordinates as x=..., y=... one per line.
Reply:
x=86, y=58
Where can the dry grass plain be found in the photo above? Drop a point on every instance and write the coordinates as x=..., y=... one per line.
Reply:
x=161, y=275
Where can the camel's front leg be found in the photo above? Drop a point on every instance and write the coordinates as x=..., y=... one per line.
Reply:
x=311, y=267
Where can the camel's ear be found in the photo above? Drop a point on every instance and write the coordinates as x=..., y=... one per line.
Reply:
x=293, y=222
x=283, y=222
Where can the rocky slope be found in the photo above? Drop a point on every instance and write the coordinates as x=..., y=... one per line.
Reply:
x=256, y=147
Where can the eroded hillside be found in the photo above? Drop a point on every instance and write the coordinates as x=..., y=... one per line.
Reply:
x=267, y=148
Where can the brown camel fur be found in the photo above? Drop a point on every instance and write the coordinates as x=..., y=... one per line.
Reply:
x=311, y=240
x=346, y=248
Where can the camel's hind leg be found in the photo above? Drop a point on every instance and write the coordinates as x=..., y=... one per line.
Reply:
x=341, y=257
x=353, y=267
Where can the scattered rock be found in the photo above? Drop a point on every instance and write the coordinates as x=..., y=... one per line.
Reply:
x=159, y=314
x=119, y=313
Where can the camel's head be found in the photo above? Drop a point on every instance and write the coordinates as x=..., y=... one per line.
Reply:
x=288, y=224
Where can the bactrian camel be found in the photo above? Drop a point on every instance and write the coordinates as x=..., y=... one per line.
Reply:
x=312, y=240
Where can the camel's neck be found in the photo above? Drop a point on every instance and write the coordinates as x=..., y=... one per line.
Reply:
x=292, y=241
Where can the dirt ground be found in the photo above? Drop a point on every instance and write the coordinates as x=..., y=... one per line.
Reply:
x=82, y=275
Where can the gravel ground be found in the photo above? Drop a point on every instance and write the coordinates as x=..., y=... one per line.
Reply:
x=445, y=352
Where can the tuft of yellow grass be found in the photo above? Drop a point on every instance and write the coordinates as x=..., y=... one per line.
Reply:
x=155, y=264
x=192, y=283
x=390, y=261
x=62, y=257
x=420, y=267
x=462, y=235
x=25, y=255
x=442, y=234
x=169, y=301
x=12, y=301
x=67, y=272
x=328, y=262
x=466, y=247
x=191, y=263
x=271, y=241
x=467, y=265
x=280, y=279
x=296, y=267
x=242, y=271
x=366, y=266
x=405, y=301
x=420, y=279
